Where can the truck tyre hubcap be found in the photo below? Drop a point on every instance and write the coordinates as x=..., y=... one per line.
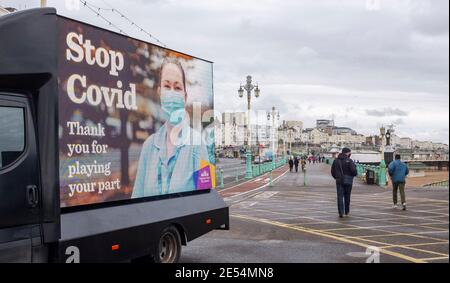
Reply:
x=167, y=248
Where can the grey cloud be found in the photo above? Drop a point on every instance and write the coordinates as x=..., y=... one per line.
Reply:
x=401, y=48
x=430, y=17
x=386, y=112
x=398, y=122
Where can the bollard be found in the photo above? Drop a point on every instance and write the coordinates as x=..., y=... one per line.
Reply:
x=248, y=166
x=382, y=171
x=304, y=178
x=360, y=170
x=222, y=185
x=270, y=179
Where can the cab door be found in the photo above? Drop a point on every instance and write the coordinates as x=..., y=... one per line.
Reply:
x=19, y=180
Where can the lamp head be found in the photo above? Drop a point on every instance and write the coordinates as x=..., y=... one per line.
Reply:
x=257, y=92
x=241, y=92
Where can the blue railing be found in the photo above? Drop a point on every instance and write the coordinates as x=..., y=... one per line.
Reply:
x=261, y=169
x=441, y=184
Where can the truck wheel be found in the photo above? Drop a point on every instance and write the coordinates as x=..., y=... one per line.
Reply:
x=168, y=249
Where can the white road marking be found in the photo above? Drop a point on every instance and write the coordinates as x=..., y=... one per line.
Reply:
x=265, y=195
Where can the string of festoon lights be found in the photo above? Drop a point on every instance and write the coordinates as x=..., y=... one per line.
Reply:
x=98, y=11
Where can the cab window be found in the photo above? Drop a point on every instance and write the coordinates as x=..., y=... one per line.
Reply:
x=12, y=135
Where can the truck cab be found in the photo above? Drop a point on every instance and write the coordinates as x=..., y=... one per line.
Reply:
x=41, y=219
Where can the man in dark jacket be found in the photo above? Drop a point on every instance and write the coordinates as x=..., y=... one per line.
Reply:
x=291, y=164
x=296, y=163
x=343, y=171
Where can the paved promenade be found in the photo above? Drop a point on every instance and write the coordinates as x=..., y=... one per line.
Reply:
x=290, y=222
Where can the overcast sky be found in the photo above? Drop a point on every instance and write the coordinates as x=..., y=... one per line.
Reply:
x=365, y=63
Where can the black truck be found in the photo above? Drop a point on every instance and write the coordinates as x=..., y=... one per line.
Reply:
x=87, y=170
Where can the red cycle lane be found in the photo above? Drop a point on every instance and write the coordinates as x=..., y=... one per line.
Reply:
x=253, y=184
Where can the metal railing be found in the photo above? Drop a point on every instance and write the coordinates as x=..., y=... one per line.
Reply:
x=441, y=184
x=257, y=170
x=261, y=169
x=378, y=172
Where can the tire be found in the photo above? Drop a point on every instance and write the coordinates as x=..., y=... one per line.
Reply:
x=168, y=247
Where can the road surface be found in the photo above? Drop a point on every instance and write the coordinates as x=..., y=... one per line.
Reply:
x=290, y=222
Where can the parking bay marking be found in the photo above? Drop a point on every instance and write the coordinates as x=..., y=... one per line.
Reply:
x=319, y=233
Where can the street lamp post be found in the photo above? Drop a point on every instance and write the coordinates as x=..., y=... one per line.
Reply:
x=283, y=130
x=273, y=115
x=383, y=178
x=258, y=144
x=286, y=135
x=290, y=136
x=383, y=134
x=249, y=87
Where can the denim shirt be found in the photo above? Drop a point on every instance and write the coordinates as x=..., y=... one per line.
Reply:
x=159, y=174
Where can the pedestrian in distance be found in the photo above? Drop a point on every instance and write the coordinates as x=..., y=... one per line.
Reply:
x=303, y=162
x=343, y=171
x=296, y=163
x=291, y=164
x=398, y=171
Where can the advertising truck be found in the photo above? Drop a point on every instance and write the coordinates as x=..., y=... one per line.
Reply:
x=106, y=145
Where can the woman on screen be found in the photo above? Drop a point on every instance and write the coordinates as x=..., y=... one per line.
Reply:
x=169, y=162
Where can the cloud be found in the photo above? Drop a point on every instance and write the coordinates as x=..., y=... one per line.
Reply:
x=398, y=122
x=338, y=56
x=386, y=112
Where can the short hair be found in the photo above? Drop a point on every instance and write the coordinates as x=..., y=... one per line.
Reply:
x=174, y=61
x=398, y=157
x=346, y=150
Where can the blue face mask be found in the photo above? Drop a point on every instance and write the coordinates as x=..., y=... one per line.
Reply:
x=173, y=105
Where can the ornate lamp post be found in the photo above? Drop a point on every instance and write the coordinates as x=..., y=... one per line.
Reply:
x=249, y=87
x=291, y=137
x=273, y=115
x=283, y=130
x=287, y=135
x=383, y=135
x=389, y=149
x=382, y=180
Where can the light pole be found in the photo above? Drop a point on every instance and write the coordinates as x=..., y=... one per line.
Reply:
x=290, y=136
x=383, y=134
x=258, y=144
x=249, y=87
x=283, y=130
x=382, y=180
x=273, y=115
x=286, y=135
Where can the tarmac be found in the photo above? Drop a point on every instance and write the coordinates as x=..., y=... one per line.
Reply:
x=291, y=222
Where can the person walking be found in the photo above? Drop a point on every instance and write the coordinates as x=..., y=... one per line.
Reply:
x=291, y=164
x=343, y=171
x=303, y=162
x=296, y=163
x=398, y=171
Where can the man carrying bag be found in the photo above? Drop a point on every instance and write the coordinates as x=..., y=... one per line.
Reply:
x=343, y=171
